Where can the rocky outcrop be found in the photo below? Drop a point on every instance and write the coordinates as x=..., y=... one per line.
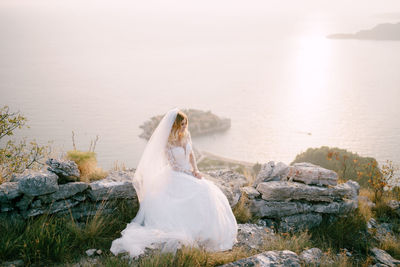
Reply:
x=200, y=123
x=269, y=258
x=299, y=196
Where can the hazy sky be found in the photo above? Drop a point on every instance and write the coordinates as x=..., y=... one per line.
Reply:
x=225, y=7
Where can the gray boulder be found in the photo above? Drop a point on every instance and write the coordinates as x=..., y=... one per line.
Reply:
x=38, y=183
x=65, y=169
x=311, y=256
x=269, y=258
x=271, y=172
x=312, y=174
x=381, y=256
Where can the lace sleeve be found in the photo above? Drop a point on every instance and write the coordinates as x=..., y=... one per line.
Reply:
x=172, y=161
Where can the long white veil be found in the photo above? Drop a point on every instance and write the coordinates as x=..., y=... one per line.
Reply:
x=153, y=162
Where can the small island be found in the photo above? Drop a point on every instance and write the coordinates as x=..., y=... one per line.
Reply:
x=200, y=123
x=381, y=32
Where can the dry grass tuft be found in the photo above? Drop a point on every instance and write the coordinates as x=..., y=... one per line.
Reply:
x=87, y=165
x=295, y=242
x=241, y=210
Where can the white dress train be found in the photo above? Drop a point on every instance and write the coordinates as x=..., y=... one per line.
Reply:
x=184, y=210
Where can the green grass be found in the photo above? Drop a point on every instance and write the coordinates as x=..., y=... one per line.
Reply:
x=348, y=232
x=50, y=239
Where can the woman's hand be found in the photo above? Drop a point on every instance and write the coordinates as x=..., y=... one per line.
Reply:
x=197, y=174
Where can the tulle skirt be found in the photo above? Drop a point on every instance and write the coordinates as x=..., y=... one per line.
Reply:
x=184, y=211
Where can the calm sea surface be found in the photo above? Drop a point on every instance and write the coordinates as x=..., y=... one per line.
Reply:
x=283, y=84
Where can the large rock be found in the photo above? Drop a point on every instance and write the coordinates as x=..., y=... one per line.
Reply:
x=285, y=191
x=312, y=174
x=65, y=169
x=38, y=183
x=269, y=258
x=272, y=172
x=300, y=222
x=65, y=191
x=277, y=209
x=381, y=256
x=229, y=182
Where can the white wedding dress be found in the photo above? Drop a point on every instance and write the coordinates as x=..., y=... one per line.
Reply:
x=180, y=209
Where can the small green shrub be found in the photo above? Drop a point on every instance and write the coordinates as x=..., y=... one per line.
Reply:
x=348, y=165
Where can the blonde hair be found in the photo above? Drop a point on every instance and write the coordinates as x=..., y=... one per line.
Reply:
x=175, y=134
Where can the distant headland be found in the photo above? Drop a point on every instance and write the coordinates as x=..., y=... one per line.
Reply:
x=381, y=32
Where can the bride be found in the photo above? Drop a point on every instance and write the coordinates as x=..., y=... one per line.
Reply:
x=177, y=205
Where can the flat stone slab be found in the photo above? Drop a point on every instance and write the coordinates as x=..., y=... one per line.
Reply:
x=104, y=190
x=278, y=209
x=286, y=191
x=271, y=258
x=38, y=183
x=312, y=174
